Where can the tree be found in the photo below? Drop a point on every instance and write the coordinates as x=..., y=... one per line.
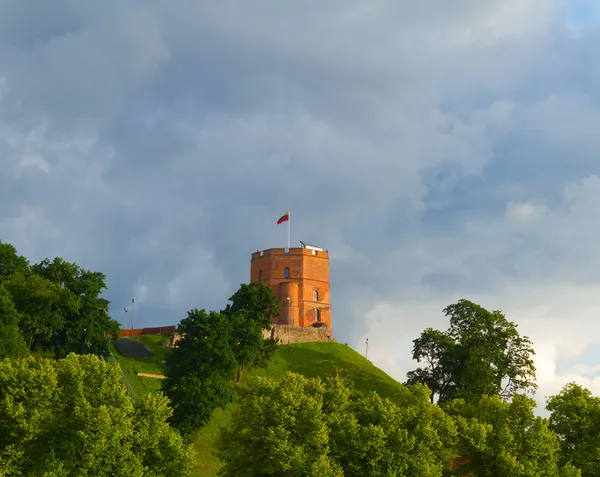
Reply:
x=575, y=417
x=250, y=311
x=10, y=262
x=12, y=343
x=73, y=417
x=160, y=449
x=437, y=349
x=42, y=305
x=310, y=427
x=505, y=439
x=87, y=326
x=199, y=369
x=480, y=354
x=59, y=304
x=407, y=436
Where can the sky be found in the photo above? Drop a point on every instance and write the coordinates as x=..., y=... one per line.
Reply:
x=437, y=151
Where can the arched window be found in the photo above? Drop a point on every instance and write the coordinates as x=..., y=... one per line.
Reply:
x=286, y=272
x=260, y=275
x=317, y=315
x=315, y=295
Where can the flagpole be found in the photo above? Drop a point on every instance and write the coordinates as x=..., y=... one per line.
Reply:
x=289, y=225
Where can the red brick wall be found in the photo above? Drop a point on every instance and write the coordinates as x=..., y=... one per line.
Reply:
x=158, y=330
x=309, y=272
x=124, y=333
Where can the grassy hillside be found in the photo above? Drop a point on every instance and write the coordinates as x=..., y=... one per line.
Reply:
x=309, y=359
x=327, y=359
x=130, y=366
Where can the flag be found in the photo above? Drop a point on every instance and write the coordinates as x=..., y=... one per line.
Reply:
x=284, y=218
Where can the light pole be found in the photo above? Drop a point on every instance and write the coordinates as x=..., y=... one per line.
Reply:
x=288, y=310
x=367, y=348
x=124, y=318
x=132, y=312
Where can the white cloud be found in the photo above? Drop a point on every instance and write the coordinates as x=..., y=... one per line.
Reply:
x=523, y=210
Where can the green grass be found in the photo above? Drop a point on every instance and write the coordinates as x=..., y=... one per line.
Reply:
x=207, y=464
x=320, y=359
x=310, y=360
x=155, y=343
x=131, y=366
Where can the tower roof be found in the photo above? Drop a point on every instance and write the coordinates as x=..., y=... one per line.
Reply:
x=311, y=247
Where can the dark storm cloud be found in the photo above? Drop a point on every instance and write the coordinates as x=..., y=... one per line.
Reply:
x=428, y=147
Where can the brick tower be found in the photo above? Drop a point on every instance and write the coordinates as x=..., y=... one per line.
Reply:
x=300, y=279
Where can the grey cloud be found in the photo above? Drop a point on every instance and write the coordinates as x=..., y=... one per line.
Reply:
x=395, y=132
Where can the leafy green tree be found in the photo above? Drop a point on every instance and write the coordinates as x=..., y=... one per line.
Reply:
x=42, y=306
x=482, y=353
x=12, y=343
x=437, y=350
x=73, y=417
x=505, y=439
x=250, y=311
x=10, y=262
x=408, y=436
x=159, y=448
x=281, y=429
x=309, y=427
x=575, y=417
x=87, y=326
x=200, y=368
x=59, y=304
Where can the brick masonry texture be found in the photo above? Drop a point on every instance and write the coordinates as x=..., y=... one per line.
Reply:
x=300, y=279
x=158, y=330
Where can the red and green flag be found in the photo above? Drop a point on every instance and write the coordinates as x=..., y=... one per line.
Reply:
x=284, y=218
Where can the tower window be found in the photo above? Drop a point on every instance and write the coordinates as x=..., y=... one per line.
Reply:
x=317, y=315
x=286, y=272
x=260, y=275
x=315, y=295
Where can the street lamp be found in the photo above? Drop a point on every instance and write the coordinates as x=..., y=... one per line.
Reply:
x=132, y=312
x=288, y=310
x=124, y=318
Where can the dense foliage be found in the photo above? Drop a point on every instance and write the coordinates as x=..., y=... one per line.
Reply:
x=52, y=305
x=309, y=427
x=199, y=369
x=480, y=354
x=72, y=417
x=504, y=439
x=575, y=418
x=12, y=342
x=250, y=312
x=212, y=346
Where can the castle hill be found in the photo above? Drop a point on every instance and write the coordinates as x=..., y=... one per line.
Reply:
x=300, y=239
x=219, y=391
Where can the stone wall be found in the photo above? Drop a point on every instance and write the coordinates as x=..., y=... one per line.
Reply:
x=287, y=334
x=297, y=334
